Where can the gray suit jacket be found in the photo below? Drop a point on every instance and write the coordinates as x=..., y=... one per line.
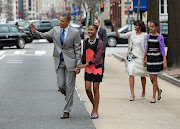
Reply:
x=71, y=48
x=103, y=36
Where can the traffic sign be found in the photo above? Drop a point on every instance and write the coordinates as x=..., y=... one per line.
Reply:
x=128, y=12
x=77, y=10
x=127, y=5
x=143, y=5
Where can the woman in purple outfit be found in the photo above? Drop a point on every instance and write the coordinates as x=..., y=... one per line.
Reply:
x=156, y=57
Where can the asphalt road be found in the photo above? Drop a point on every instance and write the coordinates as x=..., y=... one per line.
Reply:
x=28, y=93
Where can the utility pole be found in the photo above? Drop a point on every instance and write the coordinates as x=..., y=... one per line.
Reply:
x=173, y=55
x=100, y=10
x=153, y=10
x=139, y=2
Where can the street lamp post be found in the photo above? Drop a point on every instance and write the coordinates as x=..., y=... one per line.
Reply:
x=52, y=15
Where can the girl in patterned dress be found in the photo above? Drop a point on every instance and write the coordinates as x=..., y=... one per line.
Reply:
x=156, y=57
x=92, y=62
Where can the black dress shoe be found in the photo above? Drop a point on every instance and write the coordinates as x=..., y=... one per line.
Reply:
x=159, y=98
x=65, y=115
x=153, y=101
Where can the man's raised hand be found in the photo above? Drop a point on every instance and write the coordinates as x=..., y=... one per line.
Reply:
x=33, y=29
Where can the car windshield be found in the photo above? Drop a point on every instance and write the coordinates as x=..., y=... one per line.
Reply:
x=123, y=28
x=23, y=24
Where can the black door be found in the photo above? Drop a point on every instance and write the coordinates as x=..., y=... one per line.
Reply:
x=14, y=34
x=4, y=35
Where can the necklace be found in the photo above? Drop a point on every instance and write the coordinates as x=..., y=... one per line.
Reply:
x=91, y=42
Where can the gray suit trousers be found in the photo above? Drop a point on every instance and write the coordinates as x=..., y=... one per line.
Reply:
x=66, y=81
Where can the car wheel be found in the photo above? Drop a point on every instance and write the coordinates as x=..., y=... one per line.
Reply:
x=1, y=47
x=112, y=41
x=20, y=43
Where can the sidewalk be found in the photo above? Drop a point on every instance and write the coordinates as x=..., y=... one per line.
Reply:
x=171, y=74
x=117, y=112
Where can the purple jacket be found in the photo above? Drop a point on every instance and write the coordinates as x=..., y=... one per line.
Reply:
x=161, y=43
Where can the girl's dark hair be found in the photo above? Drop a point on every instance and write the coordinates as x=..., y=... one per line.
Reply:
x=154, y=22
x=96, y=27
x=141, y=24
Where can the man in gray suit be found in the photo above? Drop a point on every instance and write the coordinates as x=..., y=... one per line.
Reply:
x=67, y=55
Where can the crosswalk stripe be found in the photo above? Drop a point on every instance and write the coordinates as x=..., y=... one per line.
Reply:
x=40, y=52
x=2, y=52
x=2, y=57
x=19, y=52
x=14, y=61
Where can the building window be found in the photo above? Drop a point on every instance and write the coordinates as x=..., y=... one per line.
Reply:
x=29, y=5
x=167, y=6
x=162, y=6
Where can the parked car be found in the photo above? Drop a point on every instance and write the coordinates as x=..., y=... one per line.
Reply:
x=11, y=35
x=41, y=26
x=113, y=40
x=78, y=27
x=18, y=22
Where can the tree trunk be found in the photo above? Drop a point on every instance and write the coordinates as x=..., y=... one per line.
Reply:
x=173, y=33
x=153, y=10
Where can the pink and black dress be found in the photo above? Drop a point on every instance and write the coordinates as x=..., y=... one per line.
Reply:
x=92, y=54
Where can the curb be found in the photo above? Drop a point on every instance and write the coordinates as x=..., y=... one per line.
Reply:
x=163, y=76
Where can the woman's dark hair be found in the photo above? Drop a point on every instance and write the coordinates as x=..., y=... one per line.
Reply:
x=141, y=24
x=96, y=27
x=154, y=22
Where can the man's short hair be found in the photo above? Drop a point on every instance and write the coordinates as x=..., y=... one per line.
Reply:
x=98, y=20
x=67, y=16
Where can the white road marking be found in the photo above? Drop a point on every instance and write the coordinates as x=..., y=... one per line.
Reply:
x=19, y=52
x=14, y=61
x=40, y=52
x=42, y=40
x=78, y=94
x=2, y=56
x=2, y=52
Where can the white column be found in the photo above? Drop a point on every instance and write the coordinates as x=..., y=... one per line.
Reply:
x=14, y=2
x=165, y=6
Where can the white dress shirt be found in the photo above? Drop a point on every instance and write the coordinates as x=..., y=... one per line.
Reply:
x=65, y=32
x=97, y=36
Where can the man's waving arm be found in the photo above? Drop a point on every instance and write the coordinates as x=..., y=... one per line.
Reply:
x=39, y=35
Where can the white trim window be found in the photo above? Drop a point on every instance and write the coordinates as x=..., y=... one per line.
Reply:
x=163, y=6
x=163, y=10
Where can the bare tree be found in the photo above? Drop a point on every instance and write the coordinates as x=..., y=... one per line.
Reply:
x=91, y=7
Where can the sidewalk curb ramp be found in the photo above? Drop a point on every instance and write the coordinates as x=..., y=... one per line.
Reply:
x=163, y=76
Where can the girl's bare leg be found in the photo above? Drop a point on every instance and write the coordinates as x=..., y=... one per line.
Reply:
x=96, y=98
